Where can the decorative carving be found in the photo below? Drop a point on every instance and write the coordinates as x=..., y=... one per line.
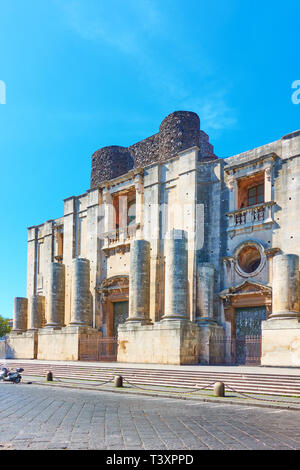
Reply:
x=270, y=252
x=115, y=283
x=138, y=183
x=230, y=181
x=268, y=172
x=246, y=287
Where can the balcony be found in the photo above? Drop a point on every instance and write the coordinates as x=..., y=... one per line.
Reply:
x=248, y=219
x=119, y=238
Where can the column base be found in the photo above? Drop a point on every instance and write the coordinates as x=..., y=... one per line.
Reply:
x=141, y=321
x=78, y=324
x=54, y=326
x=285, y=315
x=171, y=317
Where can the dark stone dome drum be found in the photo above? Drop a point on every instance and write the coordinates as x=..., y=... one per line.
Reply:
x=109, y=163
x=178, y=131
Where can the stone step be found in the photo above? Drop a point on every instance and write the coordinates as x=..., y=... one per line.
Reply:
x=270, y=384
x=294, y=380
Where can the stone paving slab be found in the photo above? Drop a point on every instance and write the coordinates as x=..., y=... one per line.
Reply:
x=52, y=417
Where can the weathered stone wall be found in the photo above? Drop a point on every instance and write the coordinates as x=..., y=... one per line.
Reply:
x=109, y=163
x=179, y=131
x=146, y=151
x=22, y=346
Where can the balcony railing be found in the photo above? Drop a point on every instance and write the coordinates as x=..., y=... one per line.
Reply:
x=120, y=236
x=251, y=216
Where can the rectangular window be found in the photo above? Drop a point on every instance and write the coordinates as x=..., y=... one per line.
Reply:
x=256, y=195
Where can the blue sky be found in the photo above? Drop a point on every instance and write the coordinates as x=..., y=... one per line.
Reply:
x=82, y=74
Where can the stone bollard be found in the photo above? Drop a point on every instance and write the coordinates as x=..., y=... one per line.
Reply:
x=118, y=381
x=49, y=376
x=219, y=389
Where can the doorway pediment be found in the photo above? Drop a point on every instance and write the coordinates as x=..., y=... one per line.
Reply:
x=247, y=288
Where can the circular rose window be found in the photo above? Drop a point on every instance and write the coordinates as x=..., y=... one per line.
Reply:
x=249, y=259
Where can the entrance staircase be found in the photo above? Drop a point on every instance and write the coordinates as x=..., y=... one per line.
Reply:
x=246, y=382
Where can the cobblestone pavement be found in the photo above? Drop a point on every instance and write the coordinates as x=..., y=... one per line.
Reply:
x=38, y=417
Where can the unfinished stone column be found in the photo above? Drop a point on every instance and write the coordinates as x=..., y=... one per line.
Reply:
x=205, y=292
x=20, y=314
x=285, y=290
x=81, y=296
x=176, y=276
x=55, y=304
x=139, y=281
x=36, y=312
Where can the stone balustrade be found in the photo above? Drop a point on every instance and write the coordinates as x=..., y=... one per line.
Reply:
x=120, y=236
x=249, y=216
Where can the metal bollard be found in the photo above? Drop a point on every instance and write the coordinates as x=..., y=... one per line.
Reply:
x=118, y=381
x=219, y=389
x=49, y=376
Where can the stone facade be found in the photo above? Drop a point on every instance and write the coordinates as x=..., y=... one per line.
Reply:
x=187, y=258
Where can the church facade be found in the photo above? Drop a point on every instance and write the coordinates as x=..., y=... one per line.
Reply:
x=172, y=256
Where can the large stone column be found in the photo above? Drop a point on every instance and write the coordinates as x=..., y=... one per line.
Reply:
x=285, y=288
x=139, y=281
x=36, y=312
x=281, y=332
x=55, y=305
x=81, y=296
x=176, y=276
x=205, y=292
x=20, y=314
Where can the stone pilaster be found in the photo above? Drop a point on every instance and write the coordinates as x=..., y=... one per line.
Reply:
x=36, y=312
x=139, y=204
x=139, y=281
x=20, y=314
x=205, y=292
x=176, y=276
x=81, y=296
x=55, y=304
